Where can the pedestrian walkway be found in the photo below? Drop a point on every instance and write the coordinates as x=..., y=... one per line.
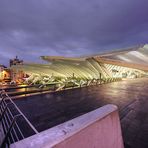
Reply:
x=47, y=110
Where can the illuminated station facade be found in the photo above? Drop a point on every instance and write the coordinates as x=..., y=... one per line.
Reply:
x=127, y=63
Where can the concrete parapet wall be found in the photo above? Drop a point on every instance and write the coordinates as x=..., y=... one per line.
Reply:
x=97, y=129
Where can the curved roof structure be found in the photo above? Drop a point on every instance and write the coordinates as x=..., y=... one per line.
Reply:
x=136, y=57
x=88, y=69
x=132, y=62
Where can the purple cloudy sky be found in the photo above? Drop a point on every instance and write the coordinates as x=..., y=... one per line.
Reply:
x=31, y=28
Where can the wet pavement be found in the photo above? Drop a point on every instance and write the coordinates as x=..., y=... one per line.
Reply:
x=47, y=110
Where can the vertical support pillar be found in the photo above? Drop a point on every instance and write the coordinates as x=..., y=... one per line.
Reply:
x=100, y=77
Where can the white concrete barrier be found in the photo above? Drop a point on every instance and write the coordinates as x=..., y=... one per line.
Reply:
x=97, y=129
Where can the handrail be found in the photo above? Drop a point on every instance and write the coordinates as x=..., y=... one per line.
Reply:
x=22, y=115
x=10, y=120
x=19, y=91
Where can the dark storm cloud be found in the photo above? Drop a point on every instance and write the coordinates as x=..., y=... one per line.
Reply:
x=30, y=28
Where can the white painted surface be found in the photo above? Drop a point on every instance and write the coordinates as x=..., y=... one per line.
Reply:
x=97, y=129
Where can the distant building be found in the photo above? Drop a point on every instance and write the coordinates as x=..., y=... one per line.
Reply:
x=4, y=74
x=15, y=61
x=16, y=75
x=2, y=67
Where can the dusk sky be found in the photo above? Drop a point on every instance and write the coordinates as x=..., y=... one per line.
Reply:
x=32, y=28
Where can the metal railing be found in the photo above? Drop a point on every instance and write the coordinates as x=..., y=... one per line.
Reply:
x=15, y=125
x=21, y=90
x=38, y=88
